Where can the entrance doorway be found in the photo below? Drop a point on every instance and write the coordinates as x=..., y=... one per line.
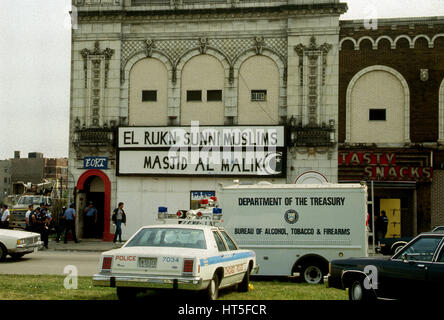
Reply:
x=392, y=208
x=94, y=193
x=94, y=186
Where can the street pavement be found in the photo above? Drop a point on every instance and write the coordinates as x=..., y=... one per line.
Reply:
x=84, y=256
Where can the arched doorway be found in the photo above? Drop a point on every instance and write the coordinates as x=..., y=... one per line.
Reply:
x=94, y=186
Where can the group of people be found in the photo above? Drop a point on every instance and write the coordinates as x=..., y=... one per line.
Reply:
x=39, y=220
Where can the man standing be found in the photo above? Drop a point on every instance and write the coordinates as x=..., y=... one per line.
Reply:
x=90, y=220
x=48, y=214
x=42, y=223
x=70, y=223
x=381, y=225
x=118, y=218
x=5, y=216
x=27, y=215
x=61, y=224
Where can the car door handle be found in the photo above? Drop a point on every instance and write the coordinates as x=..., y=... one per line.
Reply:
x=421, y=266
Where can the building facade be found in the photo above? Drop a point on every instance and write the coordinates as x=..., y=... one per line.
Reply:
x=5, y=179
x=144, y=72
x=391, y=95
x=35, y=169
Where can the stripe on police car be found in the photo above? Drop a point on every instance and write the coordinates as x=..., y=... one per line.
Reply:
x=225, y=258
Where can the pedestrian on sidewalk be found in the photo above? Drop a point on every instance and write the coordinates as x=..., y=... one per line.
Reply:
x=118, y=218
x=70, y=223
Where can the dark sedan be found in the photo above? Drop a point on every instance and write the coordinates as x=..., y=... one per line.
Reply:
x=391, y=246
x=416, y=271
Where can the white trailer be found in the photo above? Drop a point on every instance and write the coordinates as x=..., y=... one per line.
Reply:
x=297, y=229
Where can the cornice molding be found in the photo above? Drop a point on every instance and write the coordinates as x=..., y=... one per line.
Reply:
x=213, y=13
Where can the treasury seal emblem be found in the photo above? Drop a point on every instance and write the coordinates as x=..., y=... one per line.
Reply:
x=291, y=216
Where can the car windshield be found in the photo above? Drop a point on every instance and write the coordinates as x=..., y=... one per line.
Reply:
x=29, y=200
x=420, y=250
x=169, y=237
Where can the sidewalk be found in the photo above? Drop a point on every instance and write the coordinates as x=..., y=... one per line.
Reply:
x=91, y=245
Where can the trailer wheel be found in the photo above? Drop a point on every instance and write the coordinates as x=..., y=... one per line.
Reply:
x=312, y=274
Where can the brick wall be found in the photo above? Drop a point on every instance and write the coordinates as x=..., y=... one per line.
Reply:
x=424, y=95
x=437, y=196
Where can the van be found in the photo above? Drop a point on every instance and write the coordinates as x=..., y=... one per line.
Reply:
x=297, y=229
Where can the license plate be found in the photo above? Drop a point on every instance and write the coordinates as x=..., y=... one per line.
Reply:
x=147, y=262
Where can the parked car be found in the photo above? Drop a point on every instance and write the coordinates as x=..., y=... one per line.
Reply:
x=415, y=272
x=177, y=256
x=18, y=243
x=390, y=246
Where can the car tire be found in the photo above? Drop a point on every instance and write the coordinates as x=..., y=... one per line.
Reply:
x=312, y=274
x=3, y=252
x=358, y=292
x=244, y=286
x=212, y=291
x=126, y=294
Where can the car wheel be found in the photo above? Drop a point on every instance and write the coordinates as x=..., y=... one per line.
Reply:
x=212, y=291
x=3, y=252
x=357, y=291
x=244, y=286
x=312, y=274
x=126, y=294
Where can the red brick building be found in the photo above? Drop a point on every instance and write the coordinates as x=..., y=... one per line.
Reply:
x=391, y=117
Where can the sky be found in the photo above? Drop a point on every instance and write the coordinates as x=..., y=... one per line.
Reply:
x=35, y=46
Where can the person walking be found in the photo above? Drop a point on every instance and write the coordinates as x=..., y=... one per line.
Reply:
x=70, y=223
x=5, y=216
x=90, y=220
x=118, y=218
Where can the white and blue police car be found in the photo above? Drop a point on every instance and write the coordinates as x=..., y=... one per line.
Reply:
x=193, y=253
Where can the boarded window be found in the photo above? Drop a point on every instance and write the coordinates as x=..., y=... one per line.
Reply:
x=377, y=115
x=214, y=95
x=149, y=95
x=194, y=95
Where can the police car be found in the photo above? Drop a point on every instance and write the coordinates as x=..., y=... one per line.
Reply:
x=192, y=253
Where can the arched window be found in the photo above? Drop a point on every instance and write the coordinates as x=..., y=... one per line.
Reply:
x=378, y=107
x=148, y=93
x=258, y=98
x=202, y=91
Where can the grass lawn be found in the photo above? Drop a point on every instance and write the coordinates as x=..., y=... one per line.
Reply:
x=29, y=287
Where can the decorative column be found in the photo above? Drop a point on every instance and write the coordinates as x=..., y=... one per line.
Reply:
x=96, y=68
x=312, y=67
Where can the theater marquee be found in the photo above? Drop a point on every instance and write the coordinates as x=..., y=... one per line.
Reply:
x=202, y=151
